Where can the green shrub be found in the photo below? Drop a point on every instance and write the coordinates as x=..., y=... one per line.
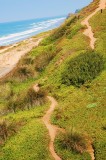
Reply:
x=24, y=72
x=26, y=100
x=104, y=127
x=43, y=60
x=6, y=88
x=82, y=68
x=74, y=141
x=6, y=129
x=63, y=29
x=27, y=60
x=73, y=31
x=92, y=105
x=3, y=130
x=35, y=98
x=59, y=32
x=16, y=102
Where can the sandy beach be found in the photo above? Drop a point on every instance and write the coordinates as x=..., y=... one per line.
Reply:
x=10, y=55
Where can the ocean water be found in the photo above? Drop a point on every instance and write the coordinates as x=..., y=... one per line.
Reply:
x=12, y=32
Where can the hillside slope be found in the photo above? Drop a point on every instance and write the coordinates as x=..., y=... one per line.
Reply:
x=66, y=68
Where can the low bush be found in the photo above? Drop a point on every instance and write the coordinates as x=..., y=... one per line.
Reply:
x=63, y=29
x=73, y=31
x=24, y=72
x=25, y=100
x=82, y=68
x=35, y=98
x=9, y=128
x=43, y=60
x=6, y=129
x=4, y=87
x=16, y=102
x=27, y=60
x=74, y=141
x=60, y=32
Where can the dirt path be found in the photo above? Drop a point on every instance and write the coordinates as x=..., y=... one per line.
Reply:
x=90, y=150
x=51, y=128
x=46, y=119
x=88, y=32
x=11, y=57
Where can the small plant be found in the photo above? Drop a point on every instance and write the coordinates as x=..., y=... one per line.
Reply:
x=16, y=102
x=24, y=72
x=12, y=104
x=3, y=130
x=43, y=60
x=104, y=127
x=4, y=87
x=73, y=31
x=35, y=98
x=25, y=100
x=74, y=141
x=6, y=129
x=27, y=60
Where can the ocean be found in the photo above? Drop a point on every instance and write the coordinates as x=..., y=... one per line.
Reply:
x=13, y=32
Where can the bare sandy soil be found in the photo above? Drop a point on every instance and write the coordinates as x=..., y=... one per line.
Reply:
x=10, y=56
x=51, y=128
x=88, y=32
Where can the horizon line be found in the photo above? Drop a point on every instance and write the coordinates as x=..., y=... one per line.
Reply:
x=33, y=19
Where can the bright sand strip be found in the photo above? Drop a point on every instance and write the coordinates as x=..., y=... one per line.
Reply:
x=10, y=56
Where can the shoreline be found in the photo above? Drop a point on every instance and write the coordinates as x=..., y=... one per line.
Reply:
x=28, y=30
x=10, y=55
x=6, y=47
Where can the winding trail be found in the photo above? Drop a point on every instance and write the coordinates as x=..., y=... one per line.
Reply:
x=88, y=32
x=90, y=150
x=9, y=60
x=51, y=128
x=46, y=119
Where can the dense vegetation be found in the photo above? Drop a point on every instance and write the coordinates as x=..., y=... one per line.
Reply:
x=82, y=68
x=61, y=62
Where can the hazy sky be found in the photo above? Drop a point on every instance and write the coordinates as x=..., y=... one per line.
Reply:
x=13, y=10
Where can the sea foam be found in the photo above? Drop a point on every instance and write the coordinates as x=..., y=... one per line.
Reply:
x=27, y=30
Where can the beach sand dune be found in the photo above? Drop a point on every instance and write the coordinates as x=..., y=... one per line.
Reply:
x=11, y=55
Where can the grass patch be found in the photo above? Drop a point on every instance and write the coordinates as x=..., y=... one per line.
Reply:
x=27, y=143
x=74, y=141
x=67, y=153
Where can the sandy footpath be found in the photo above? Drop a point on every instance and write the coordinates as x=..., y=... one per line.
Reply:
x=10, y=56
x=88, y=32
